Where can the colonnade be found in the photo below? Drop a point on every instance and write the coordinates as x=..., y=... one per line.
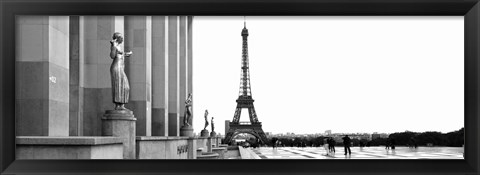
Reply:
x=63, y=84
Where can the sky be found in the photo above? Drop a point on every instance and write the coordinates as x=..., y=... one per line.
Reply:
x=345, y=74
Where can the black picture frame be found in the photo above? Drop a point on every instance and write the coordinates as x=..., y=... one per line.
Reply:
x=470, y=9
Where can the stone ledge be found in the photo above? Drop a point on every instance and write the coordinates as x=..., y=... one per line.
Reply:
x=221, y=148
x=160, y=138
x=208, y=155
x=246, y=153
x=72, y=140
x=216, y=137
x=118, y=117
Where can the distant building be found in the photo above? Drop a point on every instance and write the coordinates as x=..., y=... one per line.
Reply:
x=227, y=125
x=365, y=136
x=328, y=132
x=383, y=135
x=375, y=136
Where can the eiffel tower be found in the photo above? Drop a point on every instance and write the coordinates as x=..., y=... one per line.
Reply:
x=254, y=127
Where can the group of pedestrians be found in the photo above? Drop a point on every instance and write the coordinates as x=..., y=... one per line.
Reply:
x=412, y=143
x=330, y=145
x=274, y=142
x=390, y=144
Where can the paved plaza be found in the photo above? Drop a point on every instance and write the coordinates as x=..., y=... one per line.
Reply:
x=359, y=153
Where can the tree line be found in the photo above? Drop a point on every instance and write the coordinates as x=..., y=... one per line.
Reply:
x=407, y=138
x=454, y=138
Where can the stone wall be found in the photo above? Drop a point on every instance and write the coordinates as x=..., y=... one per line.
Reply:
x=42, y=75
x=163, y=148
x=48, y=147
x=202, y=143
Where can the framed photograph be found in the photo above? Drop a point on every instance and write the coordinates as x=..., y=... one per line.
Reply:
x=324, y=87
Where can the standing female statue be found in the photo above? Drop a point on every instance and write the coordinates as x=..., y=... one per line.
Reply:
x=206, y=120
x=211, y=123
x=120, y=86
x=188, y=110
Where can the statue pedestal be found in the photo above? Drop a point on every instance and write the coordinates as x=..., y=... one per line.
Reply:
x=213, y=134
x=186, y=131
x=121, y=123
x=204, y=133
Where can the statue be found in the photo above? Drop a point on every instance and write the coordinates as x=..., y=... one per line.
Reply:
x=204, y=132
x=206, y=120
x=188, y=110
x=187, y=129
x=213, y=127
x=120, y=122
x=120, y=86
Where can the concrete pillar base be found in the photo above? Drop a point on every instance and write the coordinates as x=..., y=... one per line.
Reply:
x=209, y=145
x=121, y=123
x=213, y=134
x=204, y=133
x=186, y=131
x=192, y=146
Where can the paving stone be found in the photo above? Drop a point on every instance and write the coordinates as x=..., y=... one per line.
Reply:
x=360, y=153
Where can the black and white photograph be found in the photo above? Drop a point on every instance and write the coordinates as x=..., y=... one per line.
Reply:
x=239, y=87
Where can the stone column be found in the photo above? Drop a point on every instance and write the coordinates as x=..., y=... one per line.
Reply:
x=138, y=39
x=160, y=76
x=173, y=76
x=42, y=75
x=189, y=58
x=98, y=32
x=76, y=73
x=183, y=66
x=184, y=83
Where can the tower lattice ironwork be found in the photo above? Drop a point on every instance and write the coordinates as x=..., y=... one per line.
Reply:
x=245, y=100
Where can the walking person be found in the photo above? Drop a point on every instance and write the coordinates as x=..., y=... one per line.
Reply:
x=411, y=142
x=329, y=144
x=331, y=147
x=392, y=143
x=326, y=145
x=332, y=142
x=346, y=144
x=274, y=142
x=387, y=144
